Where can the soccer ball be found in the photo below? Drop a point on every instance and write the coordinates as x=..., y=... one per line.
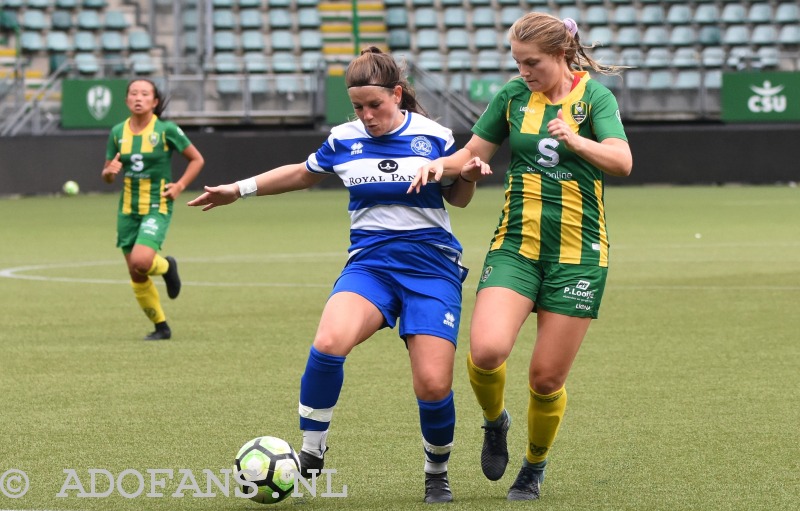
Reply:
x=271, y=464
x=71, y=188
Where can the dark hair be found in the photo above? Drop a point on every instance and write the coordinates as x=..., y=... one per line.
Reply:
x=553, y=35
x=162, y=100
x=373, y=67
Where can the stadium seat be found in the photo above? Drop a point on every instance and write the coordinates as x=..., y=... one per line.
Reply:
x=111, y=42
x=630, y=36
x=282, y=40
x=312, y=60
x=252, y=40
x=682, y=35
x=87, y=64
x=679, y=14
x=652, y=15
x=598, y=15
x=33, y=20
x=455, y=17
x=734, y=14
x=427, y=39
x=65, y=4
x=688, y=79
x=510, y=14
x=686, y=57
x=485, y=38
x=570, y=11
x=225, y=4
x=759, y=13
x=736, y=35
x=635, y=79
x=225, y=62
x=422, y=3
x=605, y=56
x=488, y=60
x=396, y=17
x=279, y=18
x=655, y=36
x=712, y=56
x=632, y=57
x=600, y=35
x=310, y=40
x=768, y=57
x=84, y=42
x=399, y=39
x=139, y=41
x=789, y=35
x=610, y=81
x=459, y=60
x=709, y=35
x=250, y=19
x=659, y=79
x=225, y=41
x=706, y=14
x=190, y=18
x=115, y=20
x=38, y=4
x=284, y=62
x=58, y=42
x=787, y=13
x=61, y=20
x=223, y=19
x=657, y=57
x=249, y=4
x=88, y=20
x=483, y=17
x=764, y=35
x=712, y=79
x=308, y=18
x=739, y=57
x=142, y=63
x=457, y=38
x=425, y=17
x=94, y=4
x=430, y=60
x=623, y=15
x=190, y=41
x=255, y=62
x=258, y=84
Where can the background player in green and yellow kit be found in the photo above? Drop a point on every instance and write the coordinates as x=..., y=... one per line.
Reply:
x=141, y=149
x=549, y=253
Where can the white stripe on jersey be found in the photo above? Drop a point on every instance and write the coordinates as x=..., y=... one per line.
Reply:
x=401, y=218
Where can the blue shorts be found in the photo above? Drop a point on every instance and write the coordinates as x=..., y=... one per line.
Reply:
x=416, y=282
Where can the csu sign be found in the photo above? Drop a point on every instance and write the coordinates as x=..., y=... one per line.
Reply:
x=760, y=96
x=87, y=104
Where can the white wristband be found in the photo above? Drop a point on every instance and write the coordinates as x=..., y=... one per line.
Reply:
x=247, y=187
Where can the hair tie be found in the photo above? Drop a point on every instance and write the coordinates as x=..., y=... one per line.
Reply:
x=572, y=27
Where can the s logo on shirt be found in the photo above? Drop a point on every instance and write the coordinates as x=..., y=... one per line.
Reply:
x=547, y=156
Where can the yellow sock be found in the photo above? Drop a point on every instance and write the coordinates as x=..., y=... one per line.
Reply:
x=544, y=418
x=147, y=296
x=160, y=266
x=489, y=387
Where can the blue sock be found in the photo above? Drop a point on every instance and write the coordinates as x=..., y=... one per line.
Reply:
x=319, y=390
x=438, y=422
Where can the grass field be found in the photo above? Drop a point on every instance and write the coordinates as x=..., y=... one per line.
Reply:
x=685, y=395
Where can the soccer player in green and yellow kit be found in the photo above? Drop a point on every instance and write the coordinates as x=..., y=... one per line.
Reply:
x=140, y=148
x=549, y=253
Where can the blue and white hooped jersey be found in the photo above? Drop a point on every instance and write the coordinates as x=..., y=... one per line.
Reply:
x=377, y=172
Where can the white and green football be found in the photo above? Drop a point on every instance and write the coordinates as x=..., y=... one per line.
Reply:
x=271, y=464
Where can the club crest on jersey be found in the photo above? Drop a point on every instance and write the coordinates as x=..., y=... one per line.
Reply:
x=153, y=138
x=388, y=166
x=579, y=111
x=486, y=272
x=421, y=146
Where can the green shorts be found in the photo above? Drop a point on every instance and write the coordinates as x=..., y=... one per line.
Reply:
x=149, y=230
x=569, y=289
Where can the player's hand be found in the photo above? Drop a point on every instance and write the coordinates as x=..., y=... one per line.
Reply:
x=429, y=172
x=216, y=196
x=560, y=130
x=111, y=170
x=172, y=190
x=475, y=169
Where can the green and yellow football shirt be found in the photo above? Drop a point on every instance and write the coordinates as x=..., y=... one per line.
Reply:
x=553, y=208
x=146, y=163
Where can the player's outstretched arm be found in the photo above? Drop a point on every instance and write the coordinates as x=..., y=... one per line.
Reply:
x=216, y=196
